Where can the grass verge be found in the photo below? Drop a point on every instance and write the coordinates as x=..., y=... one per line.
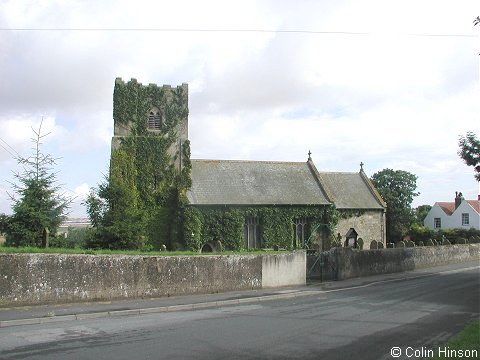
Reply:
x=464, y=345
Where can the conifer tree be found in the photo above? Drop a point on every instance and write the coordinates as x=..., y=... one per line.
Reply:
x=37, y=202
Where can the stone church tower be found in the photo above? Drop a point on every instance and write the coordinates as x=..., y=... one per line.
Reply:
x=151, y=110
x=150, y=160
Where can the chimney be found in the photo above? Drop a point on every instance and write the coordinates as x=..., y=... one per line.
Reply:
x=458, y=199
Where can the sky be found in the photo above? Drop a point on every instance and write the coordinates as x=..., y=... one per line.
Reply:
x=390, y=83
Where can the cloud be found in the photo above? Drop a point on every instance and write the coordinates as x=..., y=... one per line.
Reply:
x=18, y=134
x=364, y=81
x=78, y=196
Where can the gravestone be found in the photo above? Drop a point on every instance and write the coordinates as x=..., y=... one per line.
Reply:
x=360, y=243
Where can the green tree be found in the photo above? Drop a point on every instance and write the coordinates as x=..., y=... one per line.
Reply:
x=76, y=237
x=117, y=219
x=421, y=233
x=39, y=203
x=397, y=188
x=4, y=221
x=421, y=213
x=469, y=151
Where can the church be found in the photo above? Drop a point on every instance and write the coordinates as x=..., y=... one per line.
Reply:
x=236, y=204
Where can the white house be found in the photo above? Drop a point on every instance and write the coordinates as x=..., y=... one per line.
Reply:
x=460, y=214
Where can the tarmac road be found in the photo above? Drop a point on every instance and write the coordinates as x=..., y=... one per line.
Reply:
x=355, y=319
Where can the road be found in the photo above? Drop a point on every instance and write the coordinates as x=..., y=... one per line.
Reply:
x=362, y=322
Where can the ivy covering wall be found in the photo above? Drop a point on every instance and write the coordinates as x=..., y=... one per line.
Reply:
x=141, y=202
x=226, y=224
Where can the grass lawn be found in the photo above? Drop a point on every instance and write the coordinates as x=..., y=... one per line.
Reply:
x=463, y=345
x=35, y=250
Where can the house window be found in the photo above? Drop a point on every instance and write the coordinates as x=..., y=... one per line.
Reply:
x=301, y=226
x=465, y=219
x=437, y=223
x=154, y=120
x=252, y=233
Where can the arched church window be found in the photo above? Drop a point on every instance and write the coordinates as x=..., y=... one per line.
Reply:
x=300, y=227
x=154, y=120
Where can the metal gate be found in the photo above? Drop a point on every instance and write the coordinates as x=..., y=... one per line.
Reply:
x=321, y=266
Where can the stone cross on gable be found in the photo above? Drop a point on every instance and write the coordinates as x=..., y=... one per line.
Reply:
x=361, y=166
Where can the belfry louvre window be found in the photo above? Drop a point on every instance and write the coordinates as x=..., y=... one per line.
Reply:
x=154, y=120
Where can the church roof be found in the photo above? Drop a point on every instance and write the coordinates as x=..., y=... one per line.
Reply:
x=228, y=182
x=351, y=190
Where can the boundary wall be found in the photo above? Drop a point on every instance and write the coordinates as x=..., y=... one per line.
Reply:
x=345, y=263
x=27, y=279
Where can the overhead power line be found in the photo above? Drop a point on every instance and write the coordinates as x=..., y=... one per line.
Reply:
x=9, y=147
x=6, y=149
x=280, y=31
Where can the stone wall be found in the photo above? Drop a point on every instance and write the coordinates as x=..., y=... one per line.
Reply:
x=285, y=269
x=47, y=278
x=345, y=263
x=369, y=226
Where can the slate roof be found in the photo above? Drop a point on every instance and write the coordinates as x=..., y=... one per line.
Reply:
x=228, y=182
x=351, y=190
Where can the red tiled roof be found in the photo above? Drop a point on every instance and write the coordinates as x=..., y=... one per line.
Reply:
x=475, y=204
x=449, y=207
